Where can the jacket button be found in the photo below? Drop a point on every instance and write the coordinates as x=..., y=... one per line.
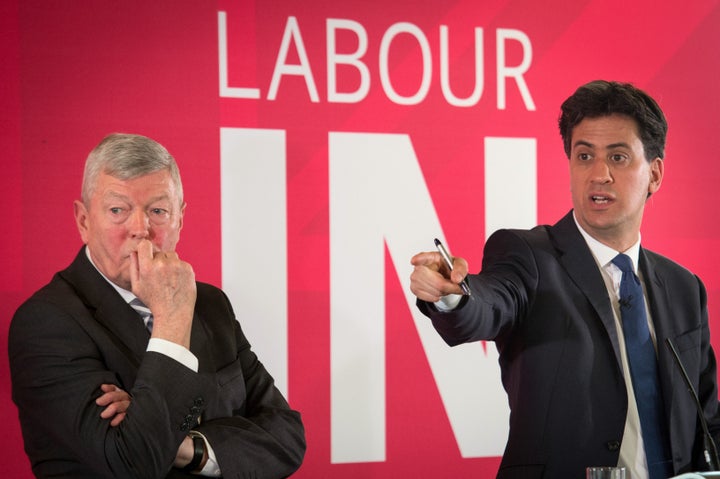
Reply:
x=613, y=445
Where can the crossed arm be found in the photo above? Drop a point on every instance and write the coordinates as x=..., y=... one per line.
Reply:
x=116, y=402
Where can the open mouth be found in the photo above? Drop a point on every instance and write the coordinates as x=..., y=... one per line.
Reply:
x=600, y=200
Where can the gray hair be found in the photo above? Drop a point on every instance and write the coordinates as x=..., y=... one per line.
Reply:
x=126, y=156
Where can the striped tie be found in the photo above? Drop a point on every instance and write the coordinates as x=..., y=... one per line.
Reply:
x=144, y=313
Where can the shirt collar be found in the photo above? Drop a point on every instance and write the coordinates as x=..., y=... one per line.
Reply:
x=126, y=295
x=604, y=254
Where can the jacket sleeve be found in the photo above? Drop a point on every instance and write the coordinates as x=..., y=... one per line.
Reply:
x=501, y=293
x=249, y=424
x=57, y=369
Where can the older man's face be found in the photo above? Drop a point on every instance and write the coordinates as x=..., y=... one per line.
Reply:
x=121, y=213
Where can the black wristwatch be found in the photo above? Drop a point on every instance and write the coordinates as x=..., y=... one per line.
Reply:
x=198, y=452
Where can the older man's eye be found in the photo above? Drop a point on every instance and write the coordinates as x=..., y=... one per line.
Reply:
x=159, y=215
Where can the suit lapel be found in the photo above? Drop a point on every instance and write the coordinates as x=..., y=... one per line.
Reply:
x=657, y=296
x=661, y=313
x=578, y=261
x=123, y=325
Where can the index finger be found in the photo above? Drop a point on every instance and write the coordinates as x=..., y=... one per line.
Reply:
x=139, y=259
x=427, y=258
x=144, y=252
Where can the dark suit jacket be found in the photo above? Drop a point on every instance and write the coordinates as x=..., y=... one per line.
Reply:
x=77, y=333
x=542, y=299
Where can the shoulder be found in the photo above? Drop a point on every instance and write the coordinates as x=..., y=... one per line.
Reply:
x=515, y=241
x=666, y=265
x=206, y=289
x=675, y=276
x=52, y=315
x=57, y=294
x=213, y=300
x=541, y=236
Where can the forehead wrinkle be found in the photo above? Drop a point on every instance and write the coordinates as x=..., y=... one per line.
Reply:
x=115, y=195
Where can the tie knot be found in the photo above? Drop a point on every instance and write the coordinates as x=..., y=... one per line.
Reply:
x=623, y=262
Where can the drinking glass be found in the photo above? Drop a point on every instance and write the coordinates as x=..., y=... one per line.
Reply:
x=605, y=472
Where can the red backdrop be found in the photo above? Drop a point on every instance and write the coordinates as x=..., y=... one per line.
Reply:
x=73, y=72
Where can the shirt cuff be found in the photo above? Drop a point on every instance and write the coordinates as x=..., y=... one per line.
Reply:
x=174, y=351
x=448, y=303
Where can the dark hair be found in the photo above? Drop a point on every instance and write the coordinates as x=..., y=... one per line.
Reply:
x=602, y=98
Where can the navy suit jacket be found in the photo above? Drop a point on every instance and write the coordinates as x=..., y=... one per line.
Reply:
x=77, y=333
x=542, y=299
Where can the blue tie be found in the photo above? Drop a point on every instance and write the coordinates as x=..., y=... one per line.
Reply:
x=144, y=313
x=644, y=371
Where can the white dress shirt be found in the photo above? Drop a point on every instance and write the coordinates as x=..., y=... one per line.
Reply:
x=632, y=450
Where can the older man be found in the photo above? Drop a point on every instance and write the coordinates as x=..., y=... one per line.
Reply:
x=123, y=365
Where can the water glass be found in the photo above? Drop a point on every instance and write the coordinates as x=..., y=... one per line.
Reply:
x=605, y=472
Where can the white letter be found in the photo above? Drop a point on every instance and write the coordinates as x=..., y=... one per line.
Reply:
x=504, y=71
x=292, y=31
x=225, y=90
x=333, y=58
x=413, y=30
x=510, y=183
x=252, y=167
x=398, y=212
x=445, y=70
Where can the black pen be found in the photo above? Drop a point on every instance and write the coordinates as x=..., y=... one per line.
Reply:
x=448, y=261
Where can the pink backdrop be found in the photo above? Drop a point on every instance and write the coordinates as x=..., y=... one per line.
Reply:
x=75, y=71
